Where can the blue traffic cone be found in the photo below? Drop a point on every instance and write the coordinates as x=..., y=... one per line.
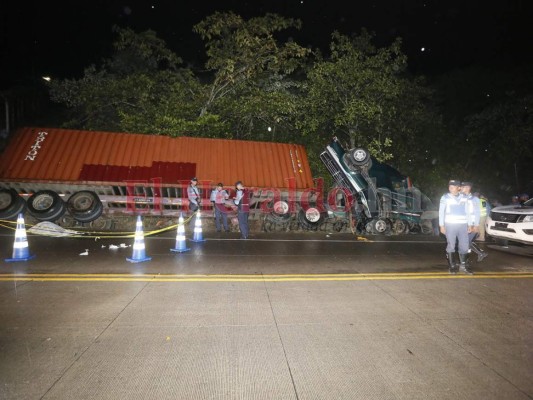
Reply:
x=139, y=253
x=21, y=250
x=197, y=236
x=180, y=237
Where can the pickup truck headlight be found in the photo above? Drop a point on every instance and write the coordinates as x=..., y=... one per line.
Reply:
x=527, y=218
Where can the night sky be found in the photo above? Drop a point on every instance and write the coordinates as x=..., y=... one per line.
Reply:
x=60, y=39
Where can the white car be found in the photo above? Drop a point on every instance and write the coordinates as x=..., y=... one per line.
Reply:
x=511, y=223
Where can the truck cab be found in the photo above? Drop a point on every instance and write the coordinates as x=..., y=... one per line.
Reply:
x=384, y=199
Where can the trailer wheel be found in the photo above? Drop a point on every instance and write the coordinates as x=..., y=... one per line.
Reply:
x=311, y=218
x=313, y=215
x=281, y=211
x=101, y=224
x=303, y=221
x=46, y=205
x=85, y=206
x=11, y=204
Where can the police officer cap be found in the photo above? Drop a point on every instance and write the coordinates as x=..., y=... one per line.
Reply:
x=194, y=179
x=467, y=184
x=454, y=183
x=238, y=183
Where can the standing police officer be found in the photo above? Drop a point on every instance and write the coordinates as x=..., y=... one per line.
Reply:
x=193, y=193
x=454, y=220
x=242, y=201
x=474, y=204
x=219, y=197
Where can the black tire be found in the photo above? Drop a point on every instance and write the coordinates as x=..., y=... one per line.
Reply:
x=378, y=226
x=314, y=216
x=359, y=156
x=90, y=217
x=101, y=224
x=400, y=226
x=11, y=204
x=381, y=226
x=85, y=206
x=67, y=221
x=311, y=218
x=303, y=221
x=46, y=205
x=427, y=227
x=281, y=211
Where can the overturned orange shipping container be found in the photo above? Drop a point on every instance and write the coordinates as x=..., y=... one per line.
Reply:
x=94, y=172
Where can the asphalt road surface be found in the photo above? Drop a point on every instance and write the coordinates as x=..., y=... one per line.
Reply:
x=279, y=316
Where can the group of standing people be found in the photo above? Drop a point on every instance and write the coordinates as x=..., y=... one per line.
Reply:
x=460, y=216
x=219, y=197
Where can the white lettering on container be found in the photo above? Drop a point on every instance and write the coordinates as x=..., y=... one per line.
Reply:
x=34, y=149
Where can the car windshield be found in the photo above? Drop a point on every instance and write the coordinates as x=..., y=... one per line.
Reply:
x=529, y=202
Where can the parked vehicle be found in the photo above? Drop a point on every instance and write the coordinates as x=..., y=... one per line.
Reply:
x=513, y=223
x=385, y=200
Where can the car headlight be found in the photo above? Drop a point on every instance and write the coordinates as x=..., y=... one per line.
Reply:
x=528, y=218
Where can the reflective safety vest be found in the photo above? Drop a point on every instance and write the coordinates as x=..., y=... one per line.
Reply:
x=453, y=210
x=483, y=207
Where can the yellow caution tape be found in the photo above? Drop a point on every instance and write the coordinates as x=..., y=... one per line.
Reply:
x=100, y=235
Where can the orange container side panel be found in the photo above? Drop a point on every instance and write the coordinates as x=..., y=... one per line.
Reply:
x=284, y=160
x=21, y=151
x=49, y=154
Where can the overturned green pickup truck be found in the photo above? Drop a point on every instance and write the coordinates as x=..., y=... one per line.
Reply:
x=381, y=199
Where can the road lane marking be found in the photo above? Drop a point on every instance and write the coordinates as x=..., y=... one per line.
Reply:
x=256, y=277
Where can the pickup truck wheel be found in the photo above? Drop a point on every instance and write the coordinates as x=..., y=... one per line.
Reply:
x=46, y=205
x=399, y=226
x=381, y=226
x=427, y=227
x=85, y=206
x=378, y=226
x=11, y=204
x=359, y=156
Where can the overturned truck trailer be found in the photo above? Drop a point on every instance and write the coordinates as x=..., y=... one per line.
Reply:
x=382, y=198
x=89, y=177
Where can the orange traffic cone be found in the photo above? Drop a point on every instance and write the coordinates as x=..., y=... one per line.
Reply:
x=139, y=253
x=21, y=250
x=197, y=236
x=180, y=237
